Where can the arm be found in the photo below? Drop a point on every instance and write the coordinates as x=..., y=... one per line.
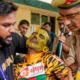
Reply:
x=71, y=56
x=55, y=45
x=69, y=77
x=61, y=71
x=66, y=48
x=65, y=45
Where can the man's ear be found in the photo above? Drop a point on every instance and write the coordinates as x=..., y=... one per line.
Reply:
x=45, y=49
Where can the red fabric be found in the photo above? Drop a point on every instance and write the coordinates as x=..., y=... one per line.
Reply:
x=32, y=78
x=69, y=1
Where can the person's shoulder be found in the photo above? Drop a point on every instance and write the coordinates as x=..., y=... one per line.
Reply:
x=15, y=38
x=48, y=54
x=15, y=34
x=52, y=58
x=51, y=55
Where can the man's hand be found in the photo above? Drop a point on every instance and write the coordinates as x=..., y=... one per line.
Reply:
x=62, y=38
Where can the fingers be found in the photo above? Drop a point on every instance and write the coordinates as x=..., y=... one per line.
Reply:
x=62, y=38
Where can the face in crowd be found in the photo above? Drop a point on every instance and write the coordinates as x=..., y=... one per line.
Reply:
x=23, y=26
x=70, y=12
x=23, y=29
x=47, y=26
x=71, y=17
x=7, y=23
x=38, y=40
x=61, y=25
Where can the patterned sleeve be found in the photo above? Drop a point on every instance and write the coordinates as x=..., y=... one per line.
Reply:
x=17, y=68
x=57, y=66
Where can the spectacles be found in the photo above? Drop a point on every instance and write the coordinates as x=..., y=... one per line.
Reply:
x=71, y=16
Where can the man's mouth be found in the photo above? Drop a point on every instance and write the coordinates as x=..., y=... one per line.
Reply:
x=9, y=39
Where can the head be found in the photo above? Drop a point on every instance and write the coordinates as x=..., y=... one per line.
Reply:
x=38, y=40
x=70, y=12
x=61, y=25
x=47, y=26
x=23, y=26
x=7, y=21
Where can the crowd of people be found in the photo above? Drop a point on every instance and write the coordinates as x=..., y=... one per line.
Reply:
x=37, y=57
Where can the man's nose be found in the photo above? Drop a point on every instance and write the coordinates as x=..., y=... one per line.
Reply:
x=12, y=29
x=67, y=21
x=25, y=30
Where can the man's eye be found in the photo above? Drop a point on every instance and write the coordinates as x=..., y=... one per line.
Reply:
x=41, y=36
x=34, y=33
x=72, y=16
x=6, y=25
x=24, y=27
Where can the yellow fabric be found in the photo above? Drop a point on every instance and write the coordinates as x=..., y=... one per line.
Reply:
x=78, y=76
x=63, y=4
x=33, y=58
x=58, y=2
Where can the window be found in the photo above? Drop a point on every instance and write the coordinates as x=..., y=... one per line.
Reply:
x=44, y=18
x=35, y=18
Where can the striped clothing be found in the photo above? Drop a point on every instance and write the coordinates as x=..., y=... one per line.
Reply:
x=44, y=68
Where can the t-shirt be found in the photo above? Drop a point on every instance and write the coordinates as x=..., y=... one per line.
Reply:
x=51, y=42
x=7, y=54
x=41, y=66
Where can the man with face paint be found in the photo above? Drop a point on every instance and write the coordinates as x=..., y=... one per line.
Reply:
x=10, y=42
x=38, y=63
x=70, y=12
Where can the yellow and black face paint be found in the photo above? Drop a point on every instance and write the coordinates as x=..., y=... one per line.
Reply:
x=38, y=40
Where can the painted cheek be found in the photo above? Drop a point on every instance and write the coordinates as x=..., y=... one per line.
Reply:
x=42, y=41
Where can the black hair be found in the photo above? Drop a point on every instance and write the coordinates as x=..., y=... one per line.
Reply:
x=6, y=8
x=47, y=23
x=24, y=22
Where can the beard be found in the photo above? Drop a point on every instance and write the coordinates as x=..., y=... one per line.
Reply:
x=7, y=41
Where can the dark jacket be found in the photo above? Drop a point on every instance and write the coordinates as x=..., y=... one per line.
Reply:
x=50, y=44
x=7, y=54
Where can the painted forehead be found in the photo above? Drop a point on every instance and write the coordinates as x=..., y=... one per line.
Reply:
x=42, y=31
